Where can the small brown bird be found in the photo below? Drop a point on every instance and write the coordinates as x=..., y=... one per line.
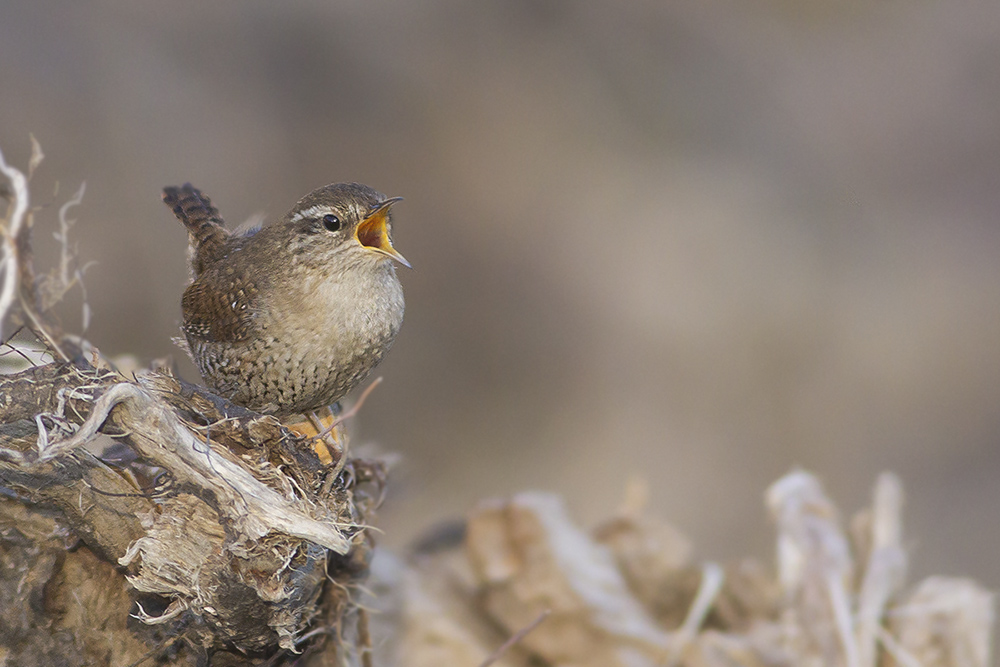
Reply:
x=288, y=318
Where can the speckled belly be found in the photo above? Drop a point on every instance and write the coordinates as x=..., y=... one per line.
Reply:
x=273, y=379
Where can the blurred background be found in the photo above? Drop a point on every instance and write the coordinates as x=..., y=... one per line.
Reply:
x=699, y=242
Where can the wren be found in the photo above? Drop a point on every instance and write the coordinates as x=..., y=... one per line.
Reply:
x=288, y=318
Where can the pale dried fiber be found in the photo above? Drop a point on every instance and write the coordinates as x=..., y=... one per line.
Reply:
x=529, y=557
x=632, y=595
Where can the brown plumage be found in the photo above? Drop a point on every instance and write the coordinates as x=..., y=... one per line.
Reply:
x=291, y=317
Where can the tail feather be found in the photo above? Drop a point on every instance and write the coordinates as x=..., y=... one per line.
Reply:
x=206, y=230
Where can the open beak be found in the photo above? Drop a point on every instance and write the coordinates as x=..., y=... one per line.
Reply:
x=372, y=232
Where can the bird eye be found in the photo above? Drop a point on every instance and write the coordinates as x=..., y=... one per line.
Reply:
x=331, y=222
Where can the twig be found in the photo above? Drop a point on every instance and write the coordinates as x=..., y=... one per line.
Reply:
x=43, y=329
x=515, y=638
x=712, y=578
x=841, y=607
x=364, y=638
x=58, y=284
x=885, y=570
x=892, y=647
x=11, y=230
x=350, y=413
x=66, y=257
x=342, y=461
x=19, y=281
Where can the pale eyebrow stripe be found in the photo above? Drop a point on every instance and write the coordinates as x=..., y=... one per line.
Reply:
x=311, y=212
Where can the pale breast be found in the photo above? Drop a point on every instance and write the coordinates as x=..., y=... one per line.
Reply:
x=309, y=354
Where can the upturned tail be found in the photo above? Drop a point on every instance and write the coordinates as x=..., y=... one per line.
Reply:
x=206, y=230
